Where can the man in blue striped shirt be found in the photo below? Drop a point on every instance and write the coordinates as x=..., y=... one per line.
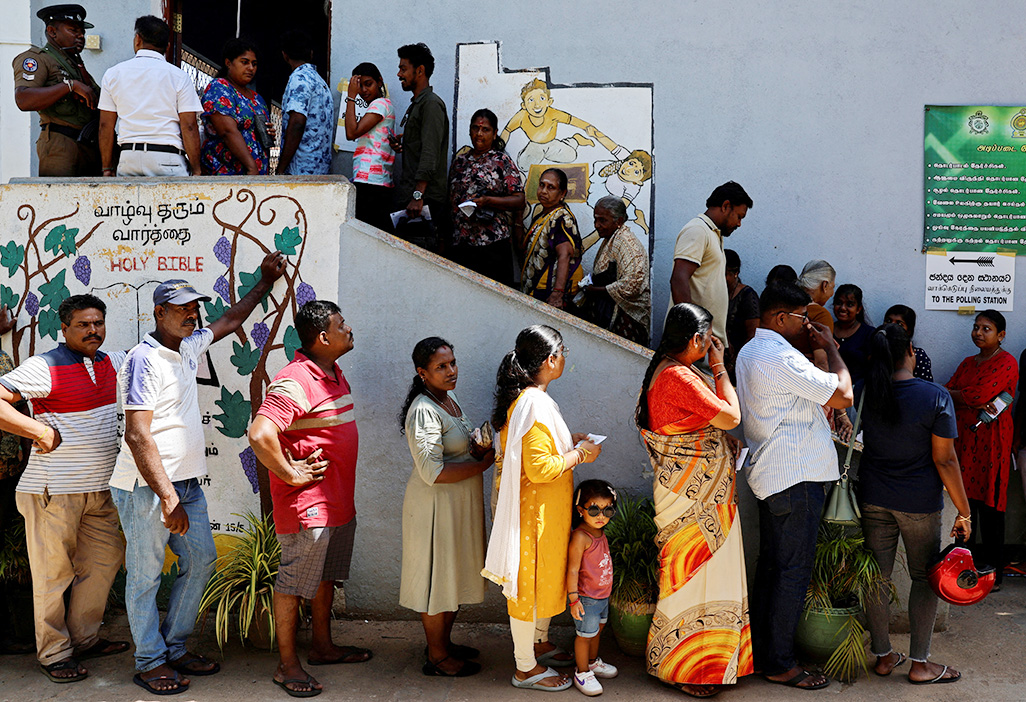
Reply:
x=792, y=465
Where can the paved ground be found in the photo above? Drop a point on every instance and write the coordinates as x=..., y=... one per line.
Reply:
x=986, y=642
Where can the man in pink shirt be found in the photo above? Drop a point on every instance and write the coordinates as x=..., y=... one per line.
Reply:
x=305, y=433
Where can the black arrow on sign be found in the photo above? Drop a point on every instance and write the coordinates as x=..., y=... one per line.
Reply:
x=984, y=261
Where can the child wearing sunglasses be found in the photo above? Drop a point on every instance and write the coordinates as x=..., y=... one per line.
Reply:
x=589, y=581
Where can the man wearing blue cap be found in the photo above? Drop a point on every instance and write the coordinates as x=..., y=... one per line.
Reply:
x=54, y=82
x=155, y=482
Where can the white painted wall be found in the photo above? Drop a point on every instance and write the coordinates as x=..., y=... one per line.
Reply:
x=15, y=126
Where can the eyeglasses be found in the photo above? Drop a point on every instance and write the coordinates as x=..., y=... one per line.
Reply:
x=803, y=317
x=595, y=510
x=566, y=351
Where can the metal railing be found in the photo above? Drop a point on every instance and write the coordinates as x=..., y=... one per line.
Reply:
x=202, y=71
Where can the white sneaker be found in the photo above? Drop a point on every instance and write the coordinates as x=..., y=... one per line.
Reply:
x=586, y=683
x=603, y=669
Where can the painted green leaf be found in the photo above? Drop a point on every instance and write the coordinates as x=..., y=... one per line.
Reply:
x=234, y=417
x=245, y=358
x=61, y=238
x=248, y=281
x=215, y=309
x=291, y=342
x=11, y=256
x=49, y=324
x=54, y=292
x=7, y=297
x=288, y=240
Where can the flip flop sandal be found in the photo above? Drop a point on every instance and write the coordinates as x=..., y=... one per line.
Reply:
x=66, y=664
x=549, y=659
x=901, y=661
x=682, y=688
x=939, y=679
x=532, y=683
x=350, y=654
x=469, y=668
x=797, y=680
x=182, y=665
x=308, y=680
x=148, y=684
x=99, y=649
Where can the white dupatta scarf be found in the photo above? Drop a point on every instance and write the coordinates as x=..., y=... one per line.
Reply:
x=502, y=562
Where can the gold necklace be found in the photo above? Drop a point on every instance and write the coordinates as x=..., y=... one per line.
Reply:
x=448, y=405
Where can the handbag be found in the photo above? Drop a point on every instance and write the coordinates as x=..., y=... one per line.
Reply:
x=841, y=507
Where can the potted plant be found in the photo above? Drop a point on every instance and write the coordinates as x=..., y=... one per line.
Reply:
x=17, y=578
x=631, y=535
x=242, y=588
x=844, y=575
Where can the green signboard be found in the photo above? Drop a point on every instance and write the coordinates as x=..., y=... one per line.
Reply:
x=975, y=178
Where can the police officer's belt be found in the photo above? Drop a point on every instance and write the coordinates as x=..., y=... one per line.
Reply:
x=70, y=132
x=164, y=148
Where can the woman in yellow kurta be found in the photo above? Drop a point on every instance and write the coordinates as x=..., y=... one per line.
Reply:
x=531, y=529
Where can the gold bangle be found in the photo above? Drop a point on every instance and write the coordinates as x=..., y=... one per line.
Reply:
x=960, y=518
x=584, y=451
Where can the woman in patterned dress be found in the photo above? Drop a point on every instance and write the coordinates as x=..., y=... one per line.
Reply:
x=236, y=121
x=985, y=452
x=486, y=176
x=552, y=252
x=700, y=638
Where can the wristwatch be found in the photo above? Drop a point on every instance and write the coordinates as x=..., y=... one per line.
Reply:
x=417, y=195
x=71, y=85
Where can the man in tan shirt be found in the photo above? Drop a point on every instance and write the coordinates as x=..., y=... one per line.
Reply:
x=698, y=259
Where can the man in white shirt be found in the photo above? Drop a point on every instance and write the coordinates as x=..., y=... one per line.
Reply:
x=155, y=482
x=790, y=469
x=154, y=105
x=699, y=264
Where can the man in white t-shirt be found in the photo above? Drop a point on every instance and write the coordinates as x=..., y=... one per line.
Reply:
x=699, y=264
x=154, y=105
x=154, y=485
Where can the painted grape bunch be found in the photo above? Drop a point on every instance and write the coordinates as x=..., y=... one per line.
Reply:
x=32, y=304
x=223, y=251
x=304, y=294
x=248, y=459
x=83, y=271
x=221, y=288
x=260, y=334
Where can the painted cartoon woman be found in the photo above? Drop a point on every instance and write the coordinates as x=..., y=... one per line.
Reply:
x=623, y=179
x=540, y=120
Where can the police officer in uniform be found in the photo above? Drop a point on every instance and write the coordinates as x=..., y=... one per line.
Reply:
x=54, y=82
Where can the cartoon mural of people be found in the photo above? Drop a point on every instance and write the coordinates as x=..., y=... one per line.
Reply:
x=623, y=179
x=539, y=120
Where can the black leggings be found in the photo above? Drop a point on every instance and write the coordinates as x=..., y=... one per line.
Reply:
x=988, y=537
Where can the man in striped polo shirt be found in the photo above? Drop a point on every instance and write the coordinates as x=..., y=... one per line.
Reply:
x=305, y=433
x=791, y=466
x=71, y=525
x=155, y=483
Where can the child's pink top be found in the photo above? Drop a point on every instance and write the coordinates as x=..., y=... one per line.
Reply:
x=595, y=578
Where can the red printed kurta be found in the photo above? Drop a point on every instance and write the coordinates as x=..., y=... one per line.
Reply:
x=985, y=455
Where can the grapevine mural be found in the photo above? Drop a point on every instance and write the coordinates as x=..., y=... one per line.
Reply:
x=118, y=242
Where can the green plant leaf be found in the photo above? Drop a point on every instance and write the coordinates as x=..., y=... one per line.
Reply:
x=215, y=309
x=11, y=256
x=61, y=238
x=291, y=342
x=54, y=292
x=245, y=358
x=288, y=240
x=49, y=324
x=234, y=417
x=248, y=281
x=7, y=297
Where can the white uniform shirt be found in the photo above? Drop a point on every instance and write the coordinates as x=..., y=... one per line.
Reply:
x=782, y=396
x=147, y=93
x=155, y=378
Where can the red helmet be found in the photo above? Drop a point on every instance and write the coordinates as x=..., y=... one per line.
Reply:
x=956, y=580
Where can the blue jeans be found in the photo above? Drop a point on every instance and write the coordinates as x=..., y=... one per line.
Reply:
x=146, y=536
x=596, y=613
x=788, y=526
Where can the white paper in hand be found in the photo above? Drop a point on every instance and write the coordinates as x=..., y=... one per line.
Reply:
x=741, y=459
x=593, y=438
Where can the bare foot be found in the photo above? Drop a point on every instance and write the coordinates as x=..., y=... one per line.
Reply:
x=164, y=678
x=299, y=679
x=556, y=681
x=698, y=690
x=924, y=672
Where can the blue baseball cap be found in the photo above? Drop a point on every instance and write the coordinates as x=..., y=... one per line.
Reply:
x=177, y=292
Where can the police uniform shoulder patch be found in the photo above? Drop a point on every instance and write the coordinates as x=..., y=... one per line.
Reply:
x=29, y=65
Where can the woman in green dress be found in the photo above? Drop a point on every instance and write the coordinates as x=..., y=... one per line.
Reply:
x=443, y=512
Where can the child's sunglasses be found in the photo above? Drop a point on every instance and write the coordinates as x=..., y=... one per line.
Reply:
x=594, y=511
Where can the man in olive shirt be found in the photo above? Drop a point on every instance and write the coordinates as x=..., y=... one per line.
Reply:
x=54, y=82
x=424, y=144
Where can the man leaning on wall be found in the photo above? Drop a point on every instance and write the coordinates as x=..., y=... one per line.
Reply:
x=154, y=106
